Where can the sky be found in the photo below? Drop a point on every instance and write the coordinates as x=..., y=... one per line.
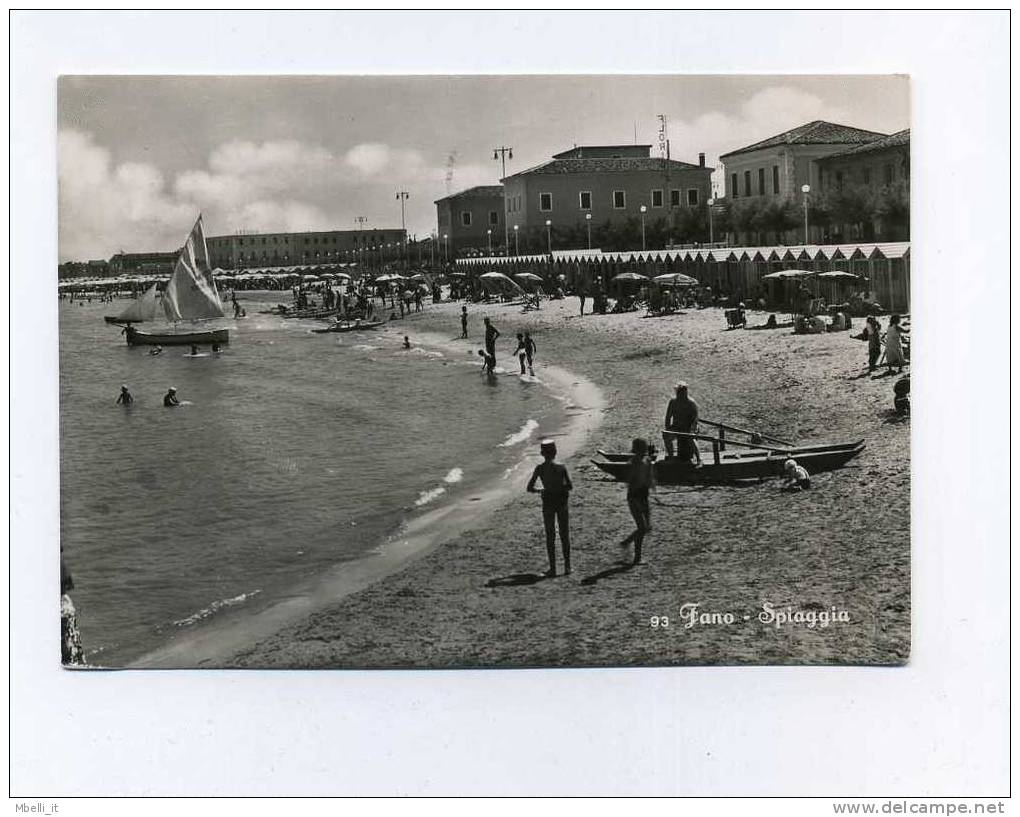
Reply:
x=140, y=157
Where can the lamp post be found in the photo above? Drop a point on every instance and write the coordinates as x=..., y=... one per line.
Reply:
x=548, y=235
x=489, y=232
x=402, y=196
x=446, y=248
x=805, y=189
x=643, y=211
x=517, y=243
x=587, y=218
x=504, y=153
x=711, y=233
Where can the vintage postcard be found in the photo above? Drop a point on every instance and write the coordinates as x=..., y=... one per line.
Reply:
x=484, y=371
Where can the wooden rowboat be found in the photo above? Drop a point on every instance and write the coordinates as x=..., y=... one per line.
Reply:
x=207, y=336
x=728, y=467
x=348, y=327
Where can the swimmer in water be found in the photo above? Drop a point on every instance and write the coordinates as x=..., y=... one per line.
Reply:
x=124, y=398
x=194, y=350
x=216, y=348
x=407, y=342
x=158, y=350
x=170, y=398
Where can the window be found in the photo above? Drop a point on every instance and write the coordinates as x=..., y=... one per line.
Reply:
x=465, y=218
x=584, y=199
x=866, y=175
x=761, y=181
x=692, y=196
x=775, y=179
x=674, y=198
x=747, y=182
x=839, y=180
x=619, y=199
x=493, y=217
x=545, y=202
x=733, y=184
x=888, y=174
x=656, y=198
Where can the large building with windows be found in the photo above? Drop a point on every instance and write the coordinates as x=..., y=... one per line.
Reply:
x=611, y=183
x=245, y=250
x=468, y=220
x=781, y=165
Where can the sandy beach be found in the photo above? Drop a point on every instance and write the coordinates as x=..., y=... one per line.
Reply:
x=844, y=545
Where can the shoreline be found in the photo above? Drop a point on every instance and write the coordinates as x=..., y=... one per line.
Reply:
x=416, y=537
x=845, y=543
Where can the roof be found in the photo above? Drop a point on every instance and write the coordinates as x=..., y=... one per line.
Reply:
x=818, y=132
x=599, y=151
x=482, y=191
x=622, y=165
x=895, y=140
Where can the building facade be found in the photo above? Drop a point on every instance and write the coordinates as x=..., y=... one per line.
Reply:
x=468, y=219
x=875, y=177
x=610, y=183
x=143, y=263
x=243, y=251
x=775, y=169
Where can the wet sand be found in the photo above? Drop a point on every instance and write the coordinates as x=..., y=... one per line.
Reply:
x=477, y=600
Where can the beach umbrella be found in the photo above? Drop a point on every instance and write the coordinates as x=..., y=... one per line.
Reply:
x=677, y=279
x=458, y=274
x=834, y=274
x=499, y=278
x=528, y=276
x=630, y=276
x=788, y=273
x=389, y=276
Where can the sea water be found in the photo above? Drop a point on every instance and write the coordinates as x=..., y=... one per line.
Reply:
x=297, y=452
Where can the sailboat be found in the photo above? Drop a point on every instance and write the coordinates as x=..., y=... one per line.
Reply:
x=190, y=295
x=141, y=309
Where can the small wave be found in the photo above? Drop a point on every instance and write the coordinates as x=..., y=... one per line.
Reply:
x=520, y=436
x=455, y=475
x=214, y=607
x=425, y=497
x=365, y=347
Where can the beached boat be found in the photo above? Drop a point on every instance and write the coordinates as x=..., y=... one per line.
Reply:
x=760, y=457
x=357, y=326
x=734, y=467
x=140, y=310
x=190, y=295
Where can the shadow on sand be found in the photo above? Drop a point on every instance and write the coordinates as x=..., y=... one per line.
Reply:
x=619, y=567
x=517, y=580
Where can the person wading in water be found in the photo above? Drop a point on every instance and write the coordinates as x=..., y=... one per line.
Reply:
x=491, y=333
x=556, y=488
x=530, y=349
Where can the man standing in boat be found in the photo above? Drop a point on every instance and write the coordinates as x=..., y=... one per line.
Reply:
x=682, y=417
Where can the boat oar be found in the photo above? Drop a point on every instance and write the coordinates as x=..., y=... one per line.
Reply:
x=744, y=431
x=756, y=446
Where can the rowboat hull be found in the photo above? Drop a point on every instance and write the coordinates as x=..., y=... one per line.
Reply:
x=734, y=466
x=119, y=321
x=208, y=336
x=350, y=327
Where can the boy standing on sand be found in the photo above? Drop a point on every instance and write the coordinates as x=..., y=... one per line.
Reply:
x=556, y=488
x=463, y=322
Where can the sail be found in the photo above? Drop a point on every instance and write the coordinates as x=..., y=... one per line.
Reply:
x=142, y=308
x=191, y=294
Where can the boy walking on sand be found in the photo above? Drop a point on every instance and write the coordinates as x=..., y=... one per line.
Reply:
x=640, y=481
x=556, y=488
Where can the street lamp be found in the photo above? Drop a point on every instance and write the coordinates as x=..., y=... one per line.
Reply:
x=517, y=243
x=587, y=218
x=504, y=153
x=643, y=211
x=489, y=232
x=446, y=247
x=711, y=234
x=548, y=235
x=805, y=189
x=403, y=196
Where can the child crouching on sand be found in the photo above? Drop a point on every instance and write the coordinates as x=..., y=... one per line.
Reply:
x=556, y=488
x=797, y=478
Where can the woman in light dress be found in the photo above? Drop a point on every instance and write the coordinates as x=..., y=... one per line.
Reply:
x=894, y=355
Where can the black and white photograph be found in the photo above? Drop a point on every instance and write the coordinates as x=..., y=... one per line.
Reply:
x=509, y=403
x=627, y=384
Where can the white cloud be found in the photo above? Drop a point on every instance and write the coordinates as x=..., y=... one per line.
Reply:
x=276, y=185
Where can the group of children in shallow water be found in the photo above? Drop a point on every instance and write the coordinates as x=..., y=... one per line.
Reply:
x=170, y=399
x=526, y=350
